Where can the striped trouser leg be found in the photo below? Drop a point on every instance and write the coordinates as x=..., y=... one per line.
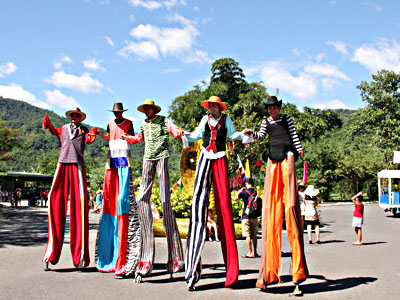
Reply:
x=146, y=217
x=198, y=216
x=175, y=252
x=134, y=233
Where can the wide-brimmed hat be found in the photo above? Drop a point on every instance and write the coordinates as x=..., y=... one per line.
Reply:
x=214, y=99
x=151, y=103
x=311, y=191
x=301, y=183
x=272, y=100
x=117, y=107
x=77, y=110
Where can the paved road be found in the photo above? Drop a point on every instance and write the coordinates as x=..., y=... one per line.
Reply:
x=338, y=269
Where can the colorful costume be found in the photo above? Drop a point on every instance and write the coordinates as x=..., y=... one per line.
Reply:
x=280, y=171
x=154, y=133
x=119, y=232
x=69, y=179
x=212, y=168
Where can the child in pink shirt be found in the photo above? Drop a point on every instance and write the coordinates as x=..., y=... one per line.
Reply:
x=358, y=216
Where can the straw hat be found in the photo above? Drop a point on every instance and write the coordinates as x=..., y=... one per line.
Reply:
x=76, y=111
x=301, y=183
x=214, y=99
x=151, y=103
x=311, y=191
x=117, y=107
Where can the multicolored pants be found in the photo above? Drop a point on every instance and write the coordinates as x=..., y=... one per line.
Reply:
x=279, y=174
x=118, y=241
x=69, y=179
x=175, y=252
x=209, y=171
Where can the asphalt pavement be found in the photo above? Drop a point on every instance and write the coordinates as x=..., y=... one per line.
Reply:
x=338, y=269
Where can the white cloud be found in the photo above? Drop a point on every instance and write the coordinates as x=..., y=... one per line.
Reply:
x=132, y=18
x=301, y=86
x=110, y=90
x=7, y=69
x=93, y=64
x=301, y=80
x=330, y=104
x=142, y=50
x=196, y=8
x=339, y=46
x=15, y=91
x=197, y=56
x=56, y=98
x=324, y=69
x=378, y=7
x=84, y=83
x=152, y=4
x=153, y=41
x=109, y=41
x=59, y=64
x=296, y=51
x=172, y=70
x=384, y=54
x=320, y=57
x=330, y=83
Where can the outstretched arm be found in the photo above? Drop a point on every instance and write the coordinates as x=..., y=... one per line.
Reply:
x=90, y=137
x=132, y=139
x=46, y=124
x=104, y=136
x=263, y=131
x=175, y=130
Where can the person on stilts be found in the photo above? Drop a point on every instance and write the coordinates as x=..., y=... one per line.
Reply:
x=69, y=180
x=154, y=131
x=212, y=168
x=284, y=145
x=118, y=240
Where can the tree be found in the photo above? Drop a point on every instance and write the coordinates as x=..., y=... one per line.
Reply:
x=9, y=140
x=381, y=117
x=226, y=73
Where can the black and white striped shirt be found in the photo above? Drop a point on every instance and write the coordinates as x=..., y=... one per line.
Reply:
x=292, y=130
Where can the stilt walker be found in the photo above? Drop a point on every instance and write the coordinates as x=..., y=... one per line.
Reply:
x=284, y=145
x=69, y=180
x=118, y=241
x=212, y=168
x=154, y=132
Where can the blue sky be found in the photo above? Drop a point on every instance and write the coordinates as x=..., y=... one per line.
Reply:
x=92, y=53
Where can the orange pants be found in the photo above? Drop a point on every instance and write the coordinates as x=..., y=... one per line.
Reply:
x=278, y=175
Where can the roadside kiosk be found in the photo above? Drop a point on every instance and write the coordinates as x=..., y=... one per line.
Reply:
x=389, y=196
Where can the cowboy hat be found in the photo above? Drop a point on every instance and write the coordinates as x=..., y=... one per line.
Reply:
x=214, y=99
x=311, y=191
x=117, y=107
x=272, y=100
x=76, y=111
x=151, y=103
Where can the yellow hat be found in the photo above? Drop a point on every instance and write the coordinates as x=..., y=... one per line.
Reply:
x=149, y=102
x=214, y=99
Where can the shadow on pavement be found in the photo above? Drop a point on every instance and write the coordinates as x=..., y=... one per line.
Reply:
x=332, y=241
x=372, y=243
x=22, y=226
x=326, y=286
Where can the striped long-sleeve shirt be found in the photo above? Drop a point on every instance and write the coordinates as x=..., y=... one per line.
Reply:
x=292, y=130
